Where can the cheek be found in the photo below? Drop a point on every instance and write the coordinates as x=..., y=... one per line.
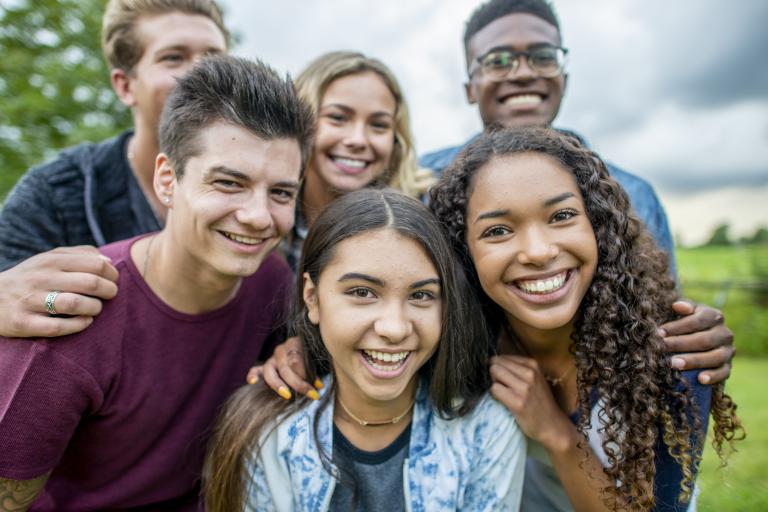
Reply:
x=284, y=217
x=383, y=146
x=326, y=137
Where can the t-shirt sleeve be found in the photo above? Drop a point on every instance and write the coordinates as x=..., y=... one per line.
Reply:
x=280, y=310
x=669, y=474
x=43, y=396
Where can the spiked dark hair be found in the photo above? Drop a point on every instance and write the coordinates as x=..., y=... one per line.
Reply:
x=237, y=91
x=492, y=10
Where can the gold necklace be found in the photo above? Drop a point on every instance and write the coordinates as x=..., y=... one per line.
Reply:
x=556, y=381
x=364, y=423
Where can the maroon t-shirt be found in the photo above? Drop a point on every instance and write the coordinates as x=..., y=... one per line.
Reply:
x=120, y=413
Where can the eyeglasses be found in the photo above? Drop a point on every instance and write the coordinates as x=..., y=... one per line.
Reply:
x=499, y=65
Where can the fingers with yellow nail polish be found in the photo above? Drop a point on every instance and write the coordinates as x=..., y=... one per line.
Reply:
x=314, y=395
x=319, y=384
x=284, y=392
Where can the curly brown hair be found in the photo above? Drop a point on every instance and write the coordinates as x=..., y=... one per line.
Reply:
x=618, y=352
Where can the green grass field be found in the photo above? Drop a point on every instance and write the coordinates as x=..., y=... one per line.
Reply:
x=705, y=273
x=742, y=484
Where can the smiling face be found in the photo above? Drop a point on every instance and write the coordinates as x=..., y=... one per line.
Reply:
x=531, y=240
x=172, y=43
x=524, y=99
x=379, y=309
x=355, y=132
x=234, y=202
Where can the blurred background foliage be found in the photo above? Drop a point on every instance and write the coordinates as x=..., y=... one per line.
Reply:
x=54, y=84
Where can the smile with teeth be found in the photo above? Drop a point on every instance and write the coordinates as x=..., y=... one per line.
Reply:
x=543, y=286
x=350, y=162
x=247, y=240
x=523, y=100
x=385, y=361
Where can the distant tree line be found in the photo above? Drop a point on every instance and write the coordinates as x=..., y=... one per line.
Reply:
x=721, y=236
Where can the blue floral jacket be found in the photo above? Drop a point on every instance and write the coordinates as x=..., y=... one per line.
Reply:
x=471, y=463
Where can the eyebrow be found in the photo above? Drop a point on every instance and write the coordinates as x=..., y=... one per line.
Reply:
x=425, y=282
x=227, y=171
x=363, y=277
x=378, y=282
x=346, y=108
x=558, y=198
x=183, y=48
x=221, y=169
x=531, y=46
x=492, y=215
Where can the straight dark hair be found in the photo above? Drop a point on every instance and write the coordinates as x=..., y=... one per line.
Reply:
x=235, y=91
x=457, y=370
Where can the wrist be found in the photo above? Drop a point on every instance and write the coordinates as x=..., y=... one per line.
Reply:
x=562, y=439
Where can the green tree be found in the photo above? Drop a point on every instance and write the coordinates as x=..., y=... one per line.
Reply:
x=720, y=236
x=54, y=83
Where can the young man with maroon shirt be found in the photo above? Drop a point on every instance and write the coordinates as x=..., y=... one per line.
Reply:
x=115, y=417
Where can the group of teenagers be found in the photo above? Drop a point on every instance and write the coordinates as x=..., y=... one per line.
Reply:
x=495, y=326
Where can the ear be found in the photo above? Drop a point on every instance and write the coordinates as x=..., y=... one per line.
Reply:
x=121, y=83
x=565, y=83
x=469, y=91
x=164, y=180
x=309, y=294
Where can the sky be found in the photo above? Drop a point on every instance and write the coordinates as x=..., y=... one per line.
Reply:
x=676, y=92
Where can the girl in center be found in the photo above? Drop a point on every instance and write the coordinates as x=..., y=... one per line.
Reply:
x=386, y=317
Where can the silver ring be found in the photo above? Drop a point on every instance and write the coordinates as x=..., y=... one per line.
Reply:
x=49, y=301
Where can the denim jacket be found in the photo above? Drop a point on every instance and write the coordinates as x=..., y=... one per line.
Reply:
x=471, y=463
x=641, y=194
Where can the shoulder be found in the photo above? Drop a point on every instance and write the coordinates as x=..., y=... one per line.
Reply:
x=632, y=183
x=273, y=279
x=119, y=252
x=438, y=160
x=488, y=421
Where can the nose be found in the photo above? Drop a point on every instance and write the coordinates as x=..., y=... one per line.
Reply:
x=255, y=213
x=522, y=72
x=394, y=325
x=356, y=137
x=536, y=248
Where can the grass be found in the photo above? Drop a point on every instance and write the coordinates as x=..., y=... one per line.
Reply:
x=716, y=276
x=743, y=484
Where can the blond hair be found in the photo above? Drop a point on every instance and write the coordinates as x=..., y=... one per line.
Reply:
x=120, y=42
x=402, y=171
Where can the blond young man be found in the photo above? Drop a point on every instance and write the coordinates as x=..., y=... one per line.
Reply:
x=94, y=194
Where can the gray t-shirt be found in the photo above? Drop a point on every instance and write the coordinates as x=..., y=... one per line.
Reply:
x=373, y=479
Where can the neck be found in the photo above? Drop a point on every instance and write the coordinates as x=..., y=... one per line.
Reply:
x=372, y=437
x=551, y=350
x=315, y=196
x=142, y=151
x=167, y=269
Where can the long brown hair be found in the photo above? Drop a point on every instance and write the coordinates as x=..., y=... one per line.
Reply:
x=457, y=370
x=619, y=354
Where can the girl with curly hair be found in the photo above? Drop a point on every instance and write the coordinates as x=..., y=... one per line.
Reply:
x=574, y=289
x=387, y=319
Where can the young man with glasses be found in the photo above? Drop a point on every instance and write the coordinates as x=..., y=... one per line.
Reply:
x=516, y=77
